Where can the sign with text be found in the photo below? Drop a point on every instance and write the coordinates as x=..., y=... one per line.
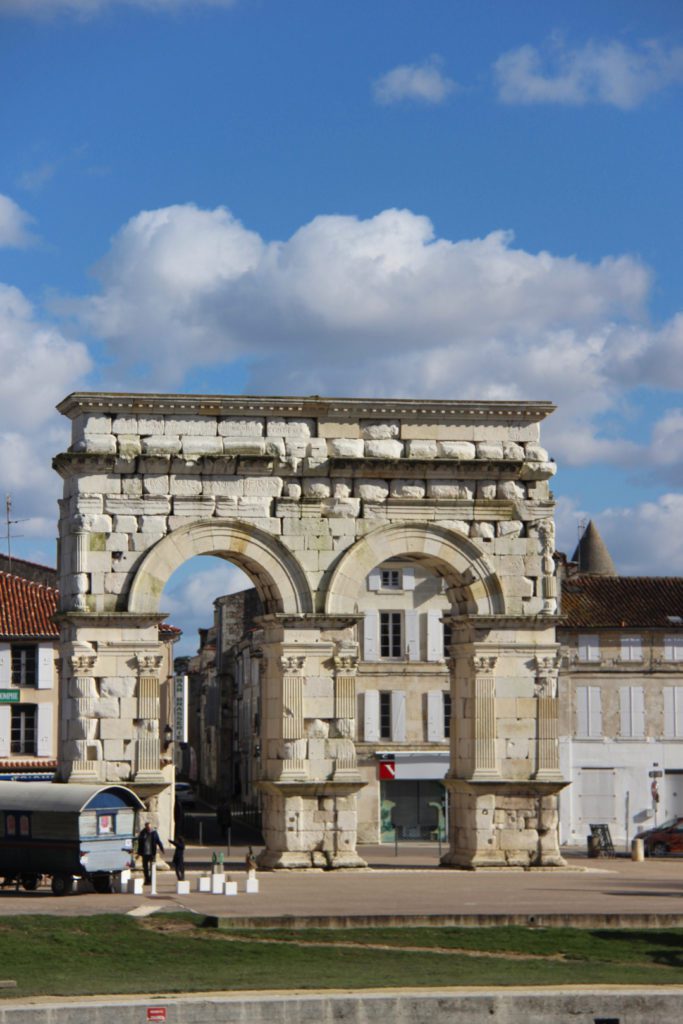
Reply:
x=156, y=1013
x=387, y=769
x=9, y=696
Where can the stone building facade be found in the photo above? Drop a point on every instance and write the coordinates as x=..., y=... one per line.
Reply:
x=309, y=496
x=621, y=696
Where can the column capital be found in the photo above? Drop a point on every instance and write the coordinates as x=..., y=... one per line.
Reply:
x=346, y=657
x=484, y=664
x=547, y=667
x=148, y=663
x=292, y=664
x=83, y=664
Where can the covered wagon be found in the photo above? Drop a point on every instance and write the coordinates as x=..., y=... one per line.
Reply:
x=64, y=830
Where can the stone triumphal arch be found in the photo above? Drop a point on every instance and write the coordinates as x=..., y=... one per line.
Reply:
x=307, y=496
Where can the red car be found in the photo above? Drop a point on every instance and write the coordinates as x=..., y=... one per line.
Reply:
x=663, y=839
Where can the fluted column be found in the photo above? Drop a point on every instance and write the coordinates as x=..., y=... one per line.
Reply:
x=82, y=740
x=547, y=746
x=346, y=668
x=293, y=712
x=485, y=762
x=148, y=760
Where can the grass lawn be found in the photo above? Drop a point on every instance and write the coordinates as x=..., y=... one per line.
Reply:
x=171, y=953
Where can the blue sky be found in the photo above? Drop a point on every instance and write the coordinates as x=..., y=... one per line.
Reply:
x=435, y=198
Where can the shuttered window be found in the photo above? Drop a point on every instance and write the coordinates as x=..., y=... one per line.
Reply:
x=23, y=729
x=588, y=712
x=589, y=647
x=673, y=712
x=673, y=648
x=632, y=711
x=631, y=648
x=24, y=664
x=390, y=635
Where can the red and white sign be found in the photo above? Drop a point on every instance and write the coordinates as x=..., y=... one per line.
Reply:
x=156, y=1013
x=387, y=769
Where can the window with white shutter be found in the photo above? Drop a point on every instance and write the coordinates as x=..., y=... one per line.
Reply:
x=589, y=647
x=390, y=635
x=5, y=664
x=435, y=717
x=5, y=729
x=46, y=661
x=588, y=712
x=374, y=579
x=408, y=578
x=673, y=648
x=371, y=636
x=632, y=711
x=398, y=716
x=631, y=648
x=371, y=716
x=412, y=625
x=673, y=712
x=44, y=731
x=435, y=634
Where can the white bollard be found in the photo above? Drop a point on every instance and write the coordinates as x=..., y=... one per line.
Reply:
x=637, y=850
x=124, y=880
x=217, y=884
x=204, y=883
x=231, y=888
x=252, y=885
x=153, y=886
x=138, y=886
x=182, y=888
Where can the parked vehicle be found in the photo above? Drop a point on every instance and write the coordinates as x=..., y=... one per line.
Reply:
x=185, y=795
x=62, y=831
x=662, y=839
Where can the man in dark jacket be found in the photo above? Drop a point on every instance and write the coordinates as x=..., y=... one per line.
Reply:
x=148, y=844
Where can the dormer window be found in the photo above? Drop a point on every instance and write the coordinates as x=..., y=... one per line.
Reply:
x=390, y=579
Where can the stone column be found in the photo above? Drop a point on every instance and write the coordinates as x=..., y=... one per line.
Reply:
x=484, y=718
x=295, y=765
x=148, y=759
x=547, y=746
x=82, y=752
x=346, y=668
x=80, y=580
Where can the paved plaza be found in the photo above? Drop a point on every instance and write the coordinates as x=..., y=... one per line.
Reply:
x=408, y=885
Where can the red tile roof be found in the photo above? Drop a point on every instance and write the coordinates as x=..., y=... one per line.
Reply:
x=616, y=602
x=26, y=608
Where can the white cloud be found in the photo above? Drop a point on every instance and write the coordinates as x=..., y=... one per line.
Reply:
x=40, y=366
x=46, y=8
x=610, y=73
x=34, y=180
x=14, y=225
x=183, y=288
x=645, y=540
x=190, y=592
x=425, y=82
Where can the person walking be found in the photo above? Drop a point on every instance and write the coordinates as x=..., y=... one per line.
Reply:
x=178, y=861
x=148, y=844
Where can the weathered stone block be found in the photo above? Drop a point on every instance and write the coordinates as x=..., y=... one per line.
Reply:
x=97, y=444
x=462, y=450
x=279, y=427
x=422, y=449
x=486, y=489
x=384, y=449
x=190, y=425
x=511, y=489
x=486, y=531
x=317, y=487
x=247, y=426
x=263, y=487
x=152, y=524
x=375, y=430
x=450, y=489
x=116, y=729
x=105, y=707
x=124, y=524
x=184, y=486
x=346, y=447
x=159, y=444
x=194, y=446
x=117, y=686
x=112, y=750
x=372, y=490
x=407, y=488
x=244, y=446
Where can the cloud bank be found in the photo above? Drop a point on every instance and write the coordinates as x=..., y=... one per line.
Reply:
x=609, y=73
x=381, y=306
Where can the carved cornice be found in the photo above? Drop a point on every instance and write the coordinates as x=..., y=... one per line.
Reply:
x=442, y=411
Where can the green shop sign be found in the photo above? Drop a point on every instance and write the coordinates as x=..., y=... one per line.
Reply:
x=9, y=696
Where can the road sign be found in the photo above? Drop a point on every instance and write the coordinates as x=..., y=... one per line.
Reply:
x=156, y=1013
x=9, y=696
x=655, y=775
x=387, y=769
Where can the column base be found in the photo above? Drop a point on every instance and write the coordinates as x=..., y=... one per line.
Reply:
x=310, y=825
x=503, y=823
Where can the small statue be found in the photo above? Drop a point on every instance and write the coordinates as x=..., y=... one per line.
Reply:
x=250, y=863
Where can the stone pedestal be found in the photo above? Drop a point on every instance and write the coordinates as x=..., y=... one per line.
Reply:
x=310, y=825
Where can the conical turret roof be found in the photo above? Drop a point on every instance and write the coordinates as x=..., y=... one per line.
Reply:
x=592, y=555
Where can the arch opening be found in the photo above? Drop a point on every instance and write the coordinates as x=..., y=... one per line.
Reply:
x=472, y=586
x=277, y=576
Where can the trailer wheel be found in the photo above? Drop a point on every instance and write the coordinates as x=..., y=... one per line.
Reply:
x=102, y=883
x=60, y=884
x=30, y=882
